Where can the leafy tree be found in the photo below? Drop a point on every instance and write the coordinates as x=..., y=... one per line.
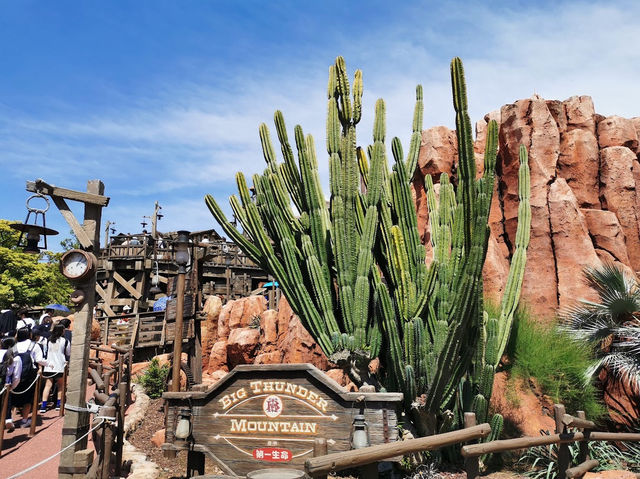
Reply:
x=29, y=279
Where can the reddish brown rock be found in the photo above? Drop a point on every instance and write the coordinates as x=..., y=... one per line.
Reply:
x=636, y=124
x=269, y=328
x=530, y=122
x=223, y=320
x=618, y=194
x=611, y=474
x=158, y=438
x=299, y=347
x=422, y=209
x=241, y=346
x=438, y=151
x=274, y=357
x=617, y=131
x=218, y=357
x=607, y=234
x=572, y=246
x=209, y=379
x=606, y=257
x=339, y=376
x=212, y=307
x=95, y=330
x=246, y=310
x=496, y=270
x=578, y=160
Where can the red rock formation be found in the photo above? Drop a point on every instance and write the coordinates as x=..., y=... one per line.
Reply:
x=584, y=199
x=241, y=346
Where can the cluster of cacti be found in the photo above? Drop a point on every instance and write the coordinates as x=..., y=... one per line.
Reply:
x=354, y=270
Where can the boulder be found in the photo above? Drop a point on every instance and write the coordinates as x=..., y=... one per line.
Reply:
x=218, y=357
x=209, y=379
x=636, y=124
x=241, y=346
x=579, y=113
x=618, y=194
x=438, y=152
x=223, y=320
x=95, y=330
x=617, y=131
x=573, y=248
x=607, y=234
x=530, y=122
x=339, y=376
x=273, y=357
x=298, y=346
x=246, y=310
x=496, y=270
x=158, y=438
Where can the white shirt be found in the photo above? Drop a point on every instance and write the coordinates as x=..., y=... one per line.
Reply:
x=57, y=355
x=14, y=371
x=25, y=323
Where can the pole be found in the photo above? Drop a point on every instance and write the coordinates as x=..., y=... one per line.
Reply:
x=177, y=339
x=76, y=423
x=34, y=405
x=3, y=416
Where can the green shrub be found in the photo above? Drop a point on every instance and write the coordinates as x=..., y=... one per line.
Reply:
x=154, y=379
x=557, y=362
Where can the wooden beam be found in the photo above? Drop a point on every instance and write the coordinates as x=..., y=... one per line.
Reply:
x=125, y=284
x=519, y=443
x=582, y=468
x=40, y=186
x=106, y=306
x=570, y=421
x=319, y=466
x=77, y=229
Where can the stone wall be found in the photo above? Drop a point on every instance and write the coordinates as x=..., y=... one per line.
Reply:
x=585, y=195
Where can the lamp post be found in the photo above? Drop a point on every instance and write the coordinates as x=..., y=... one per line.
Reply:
x=34, y=231
x=182, y=259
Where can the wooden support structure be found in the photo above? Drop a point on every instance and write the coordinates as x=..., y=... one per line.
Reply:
x=3, y=415
x=471, y=464
x=564, y=454
x=34, y=405
x=319, y=466
x=581, y=469
x=583, y=453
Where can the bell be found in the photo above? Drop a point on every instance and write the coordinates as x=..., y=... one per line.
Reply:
x=34, y=231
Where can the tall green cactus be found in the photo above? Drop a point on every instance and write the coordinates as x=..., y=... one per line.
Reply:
x=354, y=269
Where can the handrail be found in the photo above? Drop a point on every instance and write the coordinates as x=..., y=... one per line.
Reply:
x=571, y=421
x=322, y=465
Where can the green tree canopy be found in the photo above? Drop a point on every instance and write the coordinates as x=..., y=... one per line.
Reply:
x=28, y=279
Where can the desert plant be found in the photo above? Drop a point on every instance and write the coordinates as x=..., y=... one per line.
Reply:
x=153, y=380
x=354, y=270
x=549, y=355
x=612, y=325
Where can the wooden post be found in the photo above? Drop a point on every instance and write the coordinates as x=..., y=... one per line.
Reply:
x=583, y=453
x=471, y=464
x=177, y=339
x=320, y=448
x=3, y=415
x=108, y=441
x=122, y=405
x=564, y=455
x=34, y=405
x=195, y=463
x=196, y=362
x=76, y=423
x=63, y=398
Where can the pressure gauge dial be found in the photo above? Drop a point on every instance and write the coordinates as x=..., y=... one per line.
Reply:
x=77, y=265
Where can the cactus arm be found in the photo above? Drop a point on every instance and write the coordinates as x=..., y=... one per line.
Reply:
x=416, y=135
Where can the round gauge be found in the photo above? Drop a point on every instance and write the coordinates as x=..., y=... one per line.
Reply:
x=77, y=265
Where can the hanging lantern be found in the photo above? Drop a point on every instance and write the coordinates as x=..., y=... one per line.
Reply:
x=183, y=426
x=155, y=280
x=31, y=232
x=359, y=433
x=183, y=257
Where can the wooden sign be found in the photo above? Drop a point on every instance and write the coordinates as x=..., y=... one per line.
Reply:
x=271, y=416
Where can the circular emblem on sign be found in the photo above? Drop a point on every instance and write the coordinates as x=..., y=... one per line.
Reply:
x=272, y=406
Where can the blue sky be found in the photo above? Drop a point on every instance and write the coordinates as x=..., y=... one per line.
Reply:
x=162, y=100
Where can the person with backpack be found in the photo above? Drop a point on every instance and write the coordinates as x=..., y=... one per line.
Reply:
x=10, y=372
x=31, y=356
x=24, y=321
x=57, y=352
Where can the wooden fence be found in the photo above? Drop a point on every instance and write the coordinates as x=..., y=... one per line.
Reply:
x=568, y=429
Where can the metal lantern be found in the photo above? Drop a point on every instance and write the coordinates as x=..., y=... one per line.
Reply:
x=182, y=251
x=183, y=425
x=33, y=230
x=359, y=432
x=155, y=280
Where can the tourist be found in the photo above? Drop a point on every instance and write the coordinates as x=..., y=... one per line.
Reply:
x=8, y=321
x=25, y=321
x=57, y=352
x=31, y=357
x=43, y=330
x=47, y=312
x=66, y=322
x=10, y=371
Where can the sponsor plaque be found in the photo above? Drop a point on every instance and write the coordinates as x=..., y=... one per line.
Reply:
x=265, y=416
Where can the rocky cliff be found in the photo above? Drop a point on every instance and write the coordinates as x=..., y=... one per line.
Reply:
x=585, y=194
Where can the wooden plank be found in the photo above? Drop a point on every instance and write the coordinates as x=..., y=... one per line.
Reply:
x=40, y=186
x=105, y=306
x=564, y=454
x=520, y=443
x=570, y=421
x=581, y=469
x=126, y=285
x=71, y=220
x=583, y=453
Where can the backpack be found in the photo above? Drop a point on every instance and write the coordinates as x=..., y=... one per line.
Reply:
x=29, y=369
